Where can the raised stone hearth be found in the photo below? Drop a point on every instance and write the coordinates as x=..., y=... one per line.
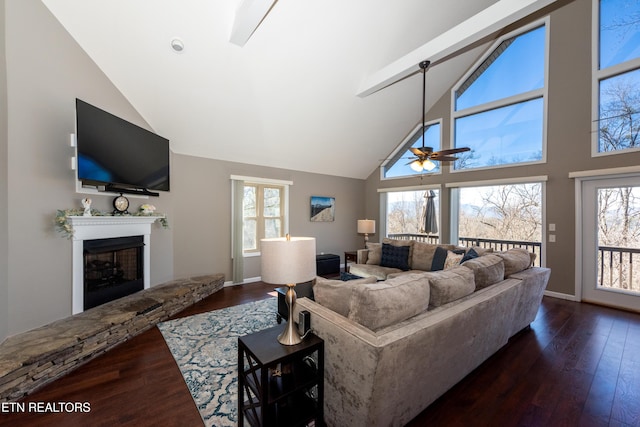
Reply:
x=34, y=358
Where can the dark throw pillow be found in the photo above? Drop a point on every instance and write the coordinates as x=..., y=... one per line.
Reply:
x=348, y=276
x=440, y=257
x=395, y=256
x=471, y=254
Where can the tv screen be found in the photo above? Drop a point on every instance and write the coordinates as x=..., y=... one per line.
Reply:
x=117, y=153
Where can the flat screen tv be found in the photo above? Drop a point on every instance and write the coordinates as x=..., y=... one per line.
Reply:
x=118, y=155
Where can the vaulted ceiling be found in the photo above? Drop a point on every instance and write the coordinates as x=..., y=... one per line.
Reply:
x=325, y=86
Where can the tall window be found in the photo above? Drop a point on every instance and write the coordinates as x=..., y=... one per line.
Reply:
x=398, y=165
x=500, y=216
x=616, y=76
x=499, y=107
x=263, y=214
x=413, y=213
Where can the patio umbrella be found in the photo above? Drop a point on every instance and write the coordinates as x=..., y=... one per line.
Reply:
x=430, y=220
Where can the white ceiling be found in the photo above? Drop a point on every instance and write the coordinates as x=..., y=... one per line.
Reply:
x=288, y=97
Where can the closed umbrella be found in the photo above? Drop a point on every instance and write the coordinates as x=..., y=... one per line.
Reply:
x=430, y=220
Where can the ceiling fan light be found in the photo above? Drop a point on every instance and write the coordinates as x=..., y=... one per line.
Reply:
x=429, y=165
x=416, y=165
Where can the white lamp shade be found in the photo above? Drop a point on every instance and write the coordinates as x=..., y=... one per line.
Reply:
x=288, y=261
x=367, y=226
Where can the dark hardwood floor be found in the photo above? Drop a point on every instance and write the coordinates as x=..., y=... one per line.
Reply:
x=578, y=365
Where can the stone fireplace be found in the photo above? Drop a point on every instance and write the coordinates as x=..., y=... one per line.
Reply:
x=96, y=241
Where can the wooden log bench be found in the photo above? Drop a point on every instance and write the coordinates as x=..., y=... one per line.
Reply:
x=37, y=357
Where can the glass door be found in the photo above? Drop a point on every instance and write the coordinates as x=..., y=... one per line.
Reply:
x=611, y=242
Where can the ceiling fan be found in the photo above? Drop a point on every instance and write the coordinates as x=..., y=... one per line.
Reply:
x=425, y=155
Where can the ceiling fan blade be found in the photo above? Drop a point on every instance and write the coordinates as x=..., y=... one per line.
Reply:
x=417, y=151
x=452, y=151
x=444, y=158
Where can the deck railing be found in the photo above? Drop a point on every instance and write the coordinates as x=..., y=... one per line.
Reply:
x=616, y=265
x=495, y=244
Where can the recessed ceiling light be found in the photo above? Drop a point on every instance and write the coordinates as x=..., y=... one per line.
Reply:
x=177, y=45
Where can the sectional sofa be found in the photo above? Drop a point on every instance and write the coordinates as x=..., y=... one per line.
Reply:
x=394, y=346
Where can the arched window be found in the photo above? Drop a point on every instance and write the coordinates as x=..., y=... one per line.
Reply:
x=398, y=164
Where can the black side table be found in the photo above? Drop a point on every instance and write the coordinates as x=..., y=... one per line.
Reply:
x=350, y=256
x=280, y=385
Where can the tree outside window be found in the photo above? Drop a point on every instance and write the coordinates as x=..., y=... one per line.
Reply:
x=263, y=214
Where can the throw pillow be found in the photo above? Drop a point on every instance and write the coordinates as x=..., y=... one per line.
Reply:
x=345, y=277
x=395, y=242
x=453, y=259
x=439, y=258
x=375, y=253
x=395, y=256
x=471, y=254
x=336, y=294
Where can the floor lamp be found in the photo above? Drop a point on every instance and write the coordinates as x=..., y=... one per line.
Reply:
x=287, y=261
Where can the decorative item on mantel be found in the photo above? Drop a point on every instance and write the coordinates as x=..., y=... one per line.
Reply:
x=64, y=227
x=86, y=204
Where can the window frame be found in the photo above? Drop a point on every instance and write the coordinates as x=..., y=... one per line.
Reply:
x=396, y=154
x=599, y=75
x=284, y=206
x=505, y=102
x=454, y=202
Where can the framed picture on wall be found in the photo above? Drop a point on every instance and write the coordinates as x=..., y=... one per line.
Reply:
x=323, y=209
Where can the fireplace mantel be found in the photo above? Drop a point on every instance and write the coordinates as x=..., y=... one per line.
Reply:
x=105, y=227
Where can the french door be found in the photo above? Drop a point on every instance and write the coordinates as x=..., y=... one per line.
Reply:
x=611, y=241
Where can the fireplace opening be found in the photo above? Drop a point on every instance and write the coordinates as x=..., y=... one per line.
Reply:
x=113, y=268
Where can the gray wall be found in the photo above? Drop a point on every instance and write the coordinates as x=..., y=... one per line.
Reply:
x=568, y=141
x=202, y=213
x=4, y=184
x=45, y=71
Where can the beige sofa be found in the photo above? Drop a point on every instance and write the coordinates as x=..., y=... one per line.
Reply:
x=400, y=344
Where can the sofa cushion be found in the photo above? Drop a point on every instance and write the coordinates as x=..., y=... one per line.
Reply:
x=375, y=253
x=336, y=294
x=422, y=256
x=381, y=304
x=395, y=256
x=450, y=285
x=515, y=259
x=487, y=269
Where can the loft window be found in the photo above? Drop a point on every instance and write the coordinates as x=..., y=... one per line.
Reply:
x=616, y=112
x=499, y=107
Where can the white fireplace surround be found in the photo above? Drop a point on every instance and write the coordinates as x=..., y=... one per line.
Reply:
x=105, y=227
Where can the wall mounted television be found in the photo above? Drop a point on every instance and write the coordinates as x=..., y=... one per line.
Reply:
x=117, y=156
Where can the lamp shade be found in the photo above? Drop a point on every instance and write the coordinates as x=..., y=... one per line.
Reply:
x=366, y=226
x=288, y=261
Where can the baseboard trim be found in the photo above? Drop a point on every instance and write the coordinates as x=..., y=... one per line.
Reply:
x=245, y=281
x=561, y=296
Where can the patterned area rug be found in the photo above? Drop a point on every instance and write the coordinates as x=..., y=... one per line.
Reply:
x=205, y=347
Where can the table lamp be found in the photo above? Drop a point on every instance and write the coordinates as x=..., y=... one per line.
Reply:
x=287, y=261
x=366, y=227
